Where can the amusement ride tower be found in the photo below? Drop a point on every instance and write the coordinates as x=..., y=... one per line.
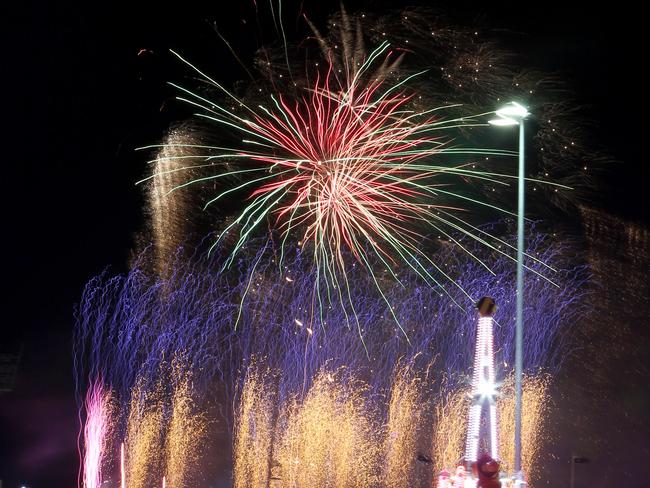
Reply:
x=483, y=387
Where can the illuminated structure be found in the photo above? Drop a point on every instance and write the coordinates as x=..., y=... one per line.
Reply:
x=122, y=472
x=483, y=386
x=514, y=114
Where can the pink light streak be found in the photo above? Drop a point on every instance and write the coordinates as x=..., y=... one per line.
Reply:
x=95, y=433
x=122, y=470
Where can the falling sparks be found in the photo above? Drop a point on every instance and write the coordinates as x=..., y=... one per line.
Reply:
x=96, y=433
x=535, y=406
x=334, y=437
x=450, y=428
x=165, y=431
x=254, y=430
x=186, y=433
x=406, y=417
x=144, y=443
x=129, y=325
x=327, y=438
x=350, y=164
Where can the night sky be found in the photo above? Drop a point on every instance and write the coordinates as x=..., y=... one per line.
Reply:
x=80, y=99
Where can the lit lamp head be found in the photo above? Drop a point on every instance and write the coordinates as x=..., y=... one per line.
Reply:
x=486, y=307
x=511, y=114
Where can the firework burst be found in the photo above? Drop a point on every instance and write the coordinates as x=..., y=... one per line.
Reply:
x=351, y=162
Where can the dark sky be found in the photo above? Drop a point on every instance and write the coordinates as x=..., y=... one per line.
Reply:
x=79, y=99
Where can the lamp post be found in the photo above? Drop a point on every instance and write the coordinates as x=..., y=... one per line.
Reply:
x=576, y=460
x=509, y=115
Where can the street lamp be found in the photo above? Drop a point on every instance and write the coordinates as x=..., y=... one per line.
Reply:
x=576, y=460
x=509, y=115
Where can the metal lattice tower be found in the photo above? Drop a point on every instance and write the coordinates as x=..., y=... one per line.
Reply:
x=483, y=386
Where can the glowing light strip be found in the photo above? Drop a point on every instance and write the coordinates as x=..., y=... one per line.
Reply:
x=494, y=444
x=483, y=392
x=122, y=472
x=471, y=451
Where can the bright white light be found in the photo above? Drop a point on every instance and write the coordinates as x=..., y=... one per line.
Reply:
x=494, y=444
x=503, y=121
x=514, y=110
x=511, y=114
x=487, y=389
x=484, y=389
